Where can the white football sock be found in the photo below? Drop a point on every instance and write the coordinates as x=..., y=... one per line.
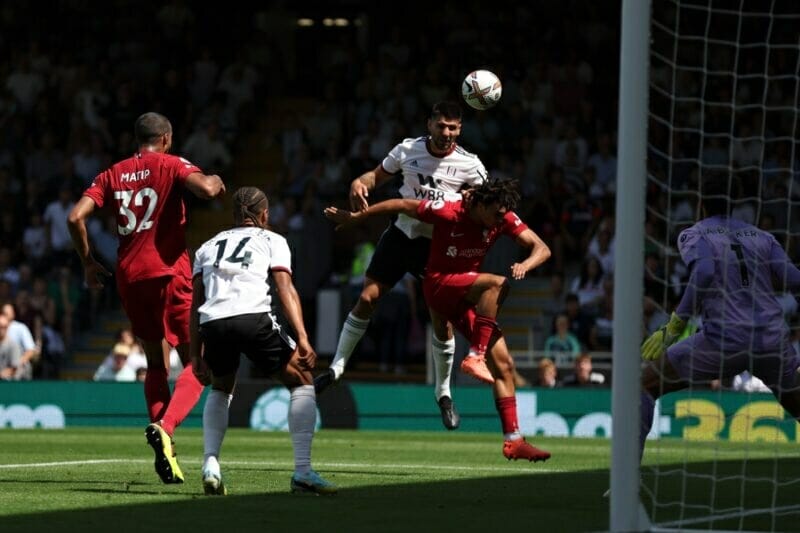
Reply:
x=302, y=419
x=443, y=352
x=211, y=465
x=215, y=421
x=353, y=331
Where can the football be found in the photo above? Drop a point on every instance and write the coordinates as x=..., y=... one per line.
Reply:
x=481, y=89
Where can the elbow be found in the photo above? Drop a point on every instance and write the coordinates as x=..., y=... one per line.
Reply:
x=74, y=219
x=212, y=185
x=545, y=252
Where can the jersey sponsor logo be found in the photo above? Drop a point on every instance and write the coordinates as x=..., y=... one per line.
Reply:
x=428, y=194
x=140, y=175
x=428, y=181
x=452, y=251
x=472, y=252
x=436, y=204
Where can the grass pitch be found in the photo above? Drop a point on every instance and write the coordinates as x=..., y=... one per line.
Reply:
x=103, y=480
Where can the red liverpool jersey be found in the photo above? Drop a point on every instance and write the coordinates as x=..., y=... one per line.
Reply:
x=459, y=244
x=146, y=191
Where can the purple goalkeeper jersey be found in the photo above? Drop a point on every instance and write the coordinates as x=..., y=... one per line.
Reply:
x=733, y=267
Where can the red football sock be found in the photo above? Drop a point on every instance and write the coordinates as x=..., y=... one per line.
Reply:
x=507, y=408
x=482, y=334
x=185, y=396
x=156, y=392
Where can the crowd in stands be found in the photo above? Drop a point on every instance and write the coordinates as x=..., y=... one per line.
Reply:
x=337, y=100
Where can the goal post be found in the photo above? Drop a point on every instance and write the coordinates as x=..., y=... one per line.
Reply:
x=624, y=503
x=706, y=87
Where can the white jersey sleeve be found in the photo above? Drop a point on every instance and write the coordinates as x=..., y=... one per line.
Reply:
x=281, y=255
x=235, y=265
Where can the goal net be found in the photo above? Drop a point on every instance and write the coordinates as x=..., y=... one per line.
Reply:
x=723, y=98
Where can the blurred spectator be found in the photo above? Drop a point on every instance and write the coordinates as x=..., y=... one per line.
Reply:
x=53, y=348
x=206, y=149
x=34, y=241
x=25, y=84
x=136, y=358
x=117, y=370
x=579, y=219
x=20, y=334
x=588, y=285
x=10, y=352
x=605, y=164
x=601, y=248
x=66, y=294
x=580, y=322
x=562, y=345
x=583, y=376
x=547, y=374
x=556, y=297
x=55, y=219
x=603, y=329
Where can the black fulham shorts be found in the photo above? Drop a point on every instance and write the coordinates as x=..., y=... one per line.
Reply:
x=395, y=254
x=257, y=335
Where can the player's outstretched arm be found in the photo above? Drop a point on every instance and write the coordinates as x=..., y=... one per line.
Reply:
x=343, y=218
x=540, y=253
x=293, y=311
x=360, y=187
x=205, y=186
x=76, y=222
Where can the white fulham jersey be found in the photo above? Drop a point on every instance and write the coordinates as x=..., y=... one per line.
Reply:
x=431, y=177
x=235, y=265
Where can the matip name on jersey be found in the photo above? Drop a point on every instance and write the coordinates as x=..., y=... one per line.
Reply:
x=139, y=175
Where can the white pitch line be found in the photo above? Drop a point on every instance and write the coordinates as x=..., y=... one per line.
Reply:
x=65, y=463
x=288, y=465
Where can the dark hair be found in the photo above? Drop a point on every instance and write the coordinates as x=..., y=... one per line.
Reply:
x=150, y=126
x=715, y=194
x=448, y=110
x=248, y=203
x=494, y=191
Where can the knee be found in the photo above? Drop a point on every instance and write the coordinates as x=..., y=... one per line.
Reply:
x=294, y=376
x=503, y=289
x=442, y=330
x=366, y=304
x=504, y=364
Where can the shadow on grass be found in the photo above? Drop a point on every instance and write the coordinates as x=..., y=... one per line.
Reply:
x=539, y=501
x=544, y=502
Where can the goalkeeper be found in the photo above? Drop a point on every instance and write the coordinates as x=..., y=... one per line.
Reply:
x=735, y=270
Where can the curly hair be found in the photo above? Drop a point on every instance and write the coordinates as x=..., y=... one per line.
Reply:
x=494, y=191
x=248, y=203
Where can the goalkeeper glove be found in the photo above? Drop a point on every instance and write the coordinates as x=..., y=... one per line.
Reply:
x=656, y=344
